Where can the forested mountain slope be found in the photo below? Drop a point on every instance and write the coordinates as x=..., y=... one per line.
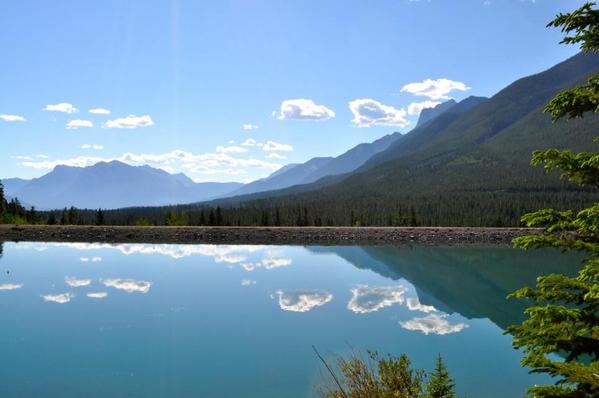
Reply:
x=472, y=167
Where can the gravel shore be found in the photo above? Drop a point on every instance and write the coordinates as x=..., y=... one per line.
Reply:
x=265, y=235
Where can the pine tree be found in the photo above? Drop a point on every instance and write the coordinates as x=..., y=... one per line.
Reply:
x=440, y=384
x=219, y=216
x=2, y=201
x=99, y=217
x=560, y=337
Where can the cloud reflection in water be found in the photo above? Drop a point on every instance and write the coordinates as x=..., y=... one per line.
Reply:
x=367, y=299
x=302, y=301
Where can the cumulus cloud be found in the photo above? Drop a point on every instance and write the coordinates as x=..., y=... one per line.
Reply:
x=367, y=299
x=63, y=107
x=99, y=111
x=304, y=109
x=414, y=304
x=74, y=282
x=97, y=295
x=368, y=112
x=249, y=127
x=230, y=149
x=415, y=108
x=248, y=282
x=272, y=146
x=433, y=323
x=58, y=298
x=11, y=286
x=12, y=118
x=97, y=147
x=129, y=122
x=128, y=285
x=79, y=123
x=434, y=89
x=302, y=301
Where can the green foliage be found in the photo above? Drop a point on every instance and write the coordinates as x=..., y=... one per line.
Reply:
x=390, y=377
x=440, y=385
x=584, y=23
x=175, y=219
x=560, y=337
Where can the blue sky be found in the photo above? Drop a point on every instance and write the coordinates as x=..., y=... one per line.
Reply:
x=231, y=90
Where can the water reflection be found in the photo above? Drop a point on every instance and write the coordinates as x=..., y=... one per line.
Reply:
x=472, y=282
x=128, y=285
x=97, y=295
x=414, y=304
x=74, y=282
x=62, y=298
x=11, y=286
x=302, y=301
x=367, y=299
x=433, y=323
x=257, y=327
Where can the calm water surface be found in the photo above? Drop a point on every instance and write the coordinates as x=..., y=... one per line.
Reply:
x=134, y=320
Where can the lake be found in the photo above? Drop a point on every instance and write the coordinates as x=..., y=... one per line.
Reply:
x=137, y=320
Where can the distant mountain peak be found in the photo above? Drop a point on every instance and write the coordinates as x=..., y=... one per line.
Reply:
x=112, y=184
x=429, y=114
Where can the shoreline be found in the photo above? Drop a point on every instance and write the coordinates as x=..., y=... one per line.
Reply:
x=325, y=236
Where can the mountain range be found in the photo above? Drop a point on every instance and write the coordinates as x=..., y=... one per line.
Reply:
x=111, y=185
x=472, y=157
x=460, y=155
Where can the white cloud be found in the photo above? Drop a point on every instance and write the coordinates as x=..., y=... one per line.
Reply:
x=414, y=304
x=78, y=123
x=41, y=156
x=12, y=118
x=249, y=142
x=128, y=285
x=74, y=282
x=97, y=147
x=304, y=109
x=302, y=301
x=11, y=286
x=99, y=111
x=230, y=149
x=63, y=107
x=367, y=299
x=58, y=298
x=97, y=295
x=415, y=108
x=250, y=127
x=248, y=282
x=368, y=112
x=272, y=146
x=433, y=323
x=204, y=164
x=434, y=89
x=274, y=155
x=129, y=122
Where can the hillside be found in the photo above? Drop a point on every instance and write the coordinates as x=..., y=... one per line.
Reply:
x=317, y=168
x=472, y=167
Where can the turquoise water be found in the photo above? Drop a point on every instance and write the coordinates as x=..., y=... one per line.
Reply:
x=133, y=320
